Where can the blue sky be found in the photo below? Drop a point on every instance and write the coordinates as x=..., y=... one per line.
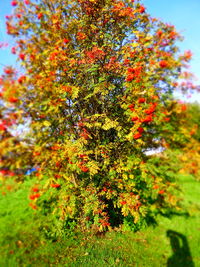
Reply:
x=183, y=14
x=6, y=58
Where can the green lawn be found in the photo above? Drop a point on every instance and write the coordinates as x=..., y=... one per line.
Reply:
x=174, y=241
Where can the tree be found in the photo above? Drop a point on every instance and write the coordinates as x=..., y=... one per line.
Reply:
x=14, y=149
x=190, y=150
x=96, y=80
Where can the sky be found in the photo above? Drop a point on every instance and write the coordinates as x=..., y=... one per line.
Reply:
x=6, y=58
x=183, y=14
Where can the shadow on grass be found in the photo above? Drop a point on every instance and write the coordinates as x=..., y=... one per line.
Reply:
x=171, y=214
x=181, y=252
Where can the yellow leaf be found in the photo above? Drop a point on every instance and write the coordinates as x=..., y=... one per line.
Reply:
x=109, y=124
x=93, y=167
x=135, y=44
x=125, y=176
x=46, y=123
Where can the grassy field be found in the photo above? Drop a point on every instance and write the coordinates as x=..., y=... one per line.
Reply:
x=174, y=242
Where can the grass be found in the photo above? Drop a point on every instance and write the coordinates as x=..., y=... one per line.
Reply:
x=174, y=242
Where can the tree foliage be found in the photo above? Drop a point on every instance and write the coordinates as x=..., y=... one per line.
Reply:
x=190, y=152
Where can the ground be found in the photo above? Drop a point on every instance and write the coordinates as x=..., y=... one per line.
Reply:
x=173, y=242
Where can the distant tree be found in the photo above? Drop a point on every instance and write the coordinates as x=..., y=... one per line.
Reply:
x=190, y=150
x=15, y=150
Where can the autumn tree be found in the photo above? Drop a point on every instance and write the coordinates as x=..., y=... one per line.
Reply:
x=15, y=148
x=189, y=151
x=97, y=75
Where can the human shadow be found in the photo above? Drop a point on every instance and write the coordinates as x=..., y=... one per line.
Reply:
x=181, y=252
